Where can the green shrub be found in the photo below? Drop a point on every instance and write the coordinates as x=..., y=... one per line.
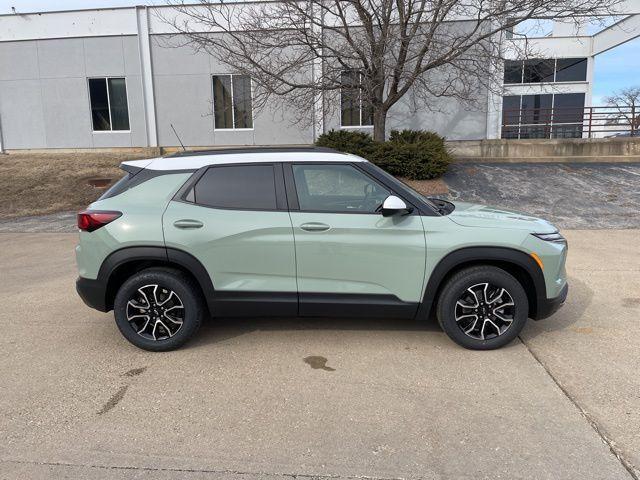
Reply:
x=415, y=161
x=412, y=154
x=348, y=141
x=415, y=136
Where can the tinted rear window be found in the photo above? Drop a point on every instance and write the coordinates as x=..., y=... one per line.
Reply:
x=118, y=187
x=250, y=187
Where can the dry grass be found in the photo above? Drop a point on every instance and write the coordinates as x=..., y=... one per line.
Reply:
x=38, y=184
x=428, y=187
x=42, y=183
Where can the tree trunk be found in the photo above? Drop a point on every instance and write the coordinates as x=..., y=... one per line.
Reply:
x=379, y=124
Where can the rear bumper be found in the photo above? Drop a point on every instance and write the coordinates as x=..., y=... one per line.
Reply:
x=92, y=293
x=549, y=306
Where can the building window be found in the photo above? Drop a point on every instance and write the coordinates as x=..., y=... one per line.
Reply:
x=537, y=71
x=545, y=70
x=109, y=108
x=571, y=70
x=543, y=116
x=232, y=105
x=354, y=110
x=512, y=71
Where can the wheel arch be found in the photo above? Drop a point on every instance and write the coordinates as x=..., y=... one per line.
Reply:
x=516, y=262
x=123, y=263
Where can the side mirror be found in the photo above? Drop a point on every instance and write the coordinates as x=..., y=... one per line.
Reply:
x=393, y=205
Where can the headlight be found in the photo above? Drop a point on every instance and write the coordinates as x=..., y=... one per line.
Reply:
x=550, y=237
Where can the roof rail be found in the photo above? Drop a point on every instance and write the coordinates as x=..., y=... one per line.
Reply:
x=236, y=150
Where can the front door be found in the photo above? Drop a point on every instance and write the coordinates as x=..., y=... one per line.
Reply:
x=350, y=259
x=234, y=220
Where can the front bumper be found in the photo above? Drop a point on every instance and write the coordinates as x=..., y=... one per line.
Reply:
x=92, y=293
x=549, y=306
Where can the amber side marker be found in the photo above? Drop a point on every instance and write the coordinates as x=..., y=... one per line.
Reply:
x=537, y=259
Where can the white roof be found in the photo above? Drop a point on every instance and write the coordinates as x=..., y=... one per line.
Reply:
x=193, y=162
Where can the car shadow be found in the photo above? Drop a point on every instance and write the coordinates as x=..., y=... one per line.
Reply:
x=218, y=330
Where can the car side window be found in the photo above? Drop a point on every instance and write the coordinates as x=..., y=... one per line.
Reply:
x=337, y=188
x=248, y=187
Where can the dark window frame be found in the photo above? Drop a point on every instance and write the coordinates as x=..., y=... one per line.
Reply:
x=109, y=109
x=233, y=102
x=358, y=87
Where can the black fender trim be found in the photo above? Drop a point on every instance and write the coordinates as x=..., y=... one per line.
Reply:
x=191, y=263
x=472, y=255
x=168, y=256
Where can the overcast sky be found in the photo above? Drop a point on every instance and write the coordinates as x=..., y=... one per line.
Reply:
x=615, y=69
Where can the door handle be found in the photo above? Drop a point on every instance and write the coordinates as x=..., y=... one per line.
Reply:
x=315, y=227
x=187, y=224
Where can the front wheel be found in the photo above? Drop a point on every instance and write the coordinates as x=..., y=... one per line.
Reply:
x=158, y=309
x=482, y=308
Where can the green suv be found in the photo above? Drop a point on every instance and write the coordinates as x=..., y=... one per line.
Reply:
x=307, y=232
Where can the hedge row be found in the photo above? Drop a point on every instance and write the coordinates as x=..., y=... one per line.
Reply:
x=412, y=154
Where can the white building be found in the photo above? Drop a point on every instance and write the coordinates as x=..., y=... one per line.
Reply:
x=105, y=78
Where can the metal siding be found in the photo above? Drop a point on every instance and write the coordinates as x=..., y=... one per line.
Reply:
x=18, y=61
x=104, y=57
x=66, y=113
x=185, y=101
x=131, y=55
x=136, y=111
x=21, y=113
x=44, y=99
x=61, y=58
x=169, y=58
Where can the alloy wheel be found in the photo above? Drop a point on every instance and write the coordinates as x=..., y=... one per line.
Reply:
x=155, y=312
x=484, y=311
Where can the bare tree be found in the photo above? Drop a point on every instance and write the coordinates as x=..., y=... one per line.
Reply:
x=374, y=52
x=626, y=102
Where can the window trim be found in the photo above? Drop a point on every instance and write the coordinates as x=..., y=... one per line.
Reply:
x=126, y=87
x=233, y=113
x=292, y=192
x=278, y=178
x=555, y=72
x=359, y=106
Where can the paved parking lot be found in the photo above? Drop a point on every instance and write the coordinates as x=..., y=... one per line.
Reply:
x=393, y=399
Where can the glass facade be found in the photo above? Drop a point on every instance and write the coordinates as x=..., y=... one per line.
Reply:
x=545, y=70
x=557, y=115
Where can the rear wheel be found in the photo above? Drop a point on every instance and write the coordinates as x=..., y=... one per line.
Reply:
x=482, y=308
x=158, y=309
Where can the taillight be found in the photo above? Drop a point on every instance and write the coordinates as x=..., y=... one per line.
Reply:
x=91, y=220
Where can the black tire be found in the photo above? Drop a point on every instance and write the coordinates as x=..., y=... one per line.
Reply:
x=461, y=286
x=182, y=291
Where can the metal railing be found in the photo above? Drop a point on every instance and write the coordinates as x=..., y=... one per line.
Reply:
x=571, y=122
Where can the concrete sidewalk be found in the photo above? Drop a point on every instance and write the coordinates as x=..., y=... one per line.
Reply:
x=240, y=401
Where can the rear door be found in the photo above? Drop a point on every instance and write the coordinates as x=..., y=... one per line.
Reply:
x=234, y=220
x=350, y=259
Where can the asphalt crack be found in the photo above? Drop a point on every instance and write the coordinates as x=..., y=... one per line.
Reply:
x=604, y=437
x=308, y=476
